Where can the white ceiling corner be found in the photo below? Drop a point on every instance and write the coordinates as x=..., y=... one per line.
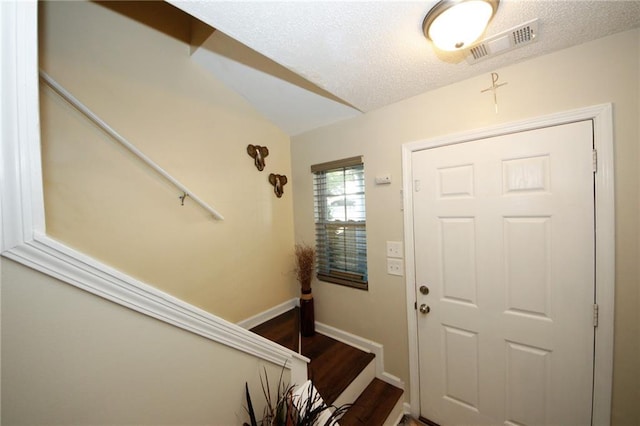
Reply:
x=292, y=107
x=369, y=54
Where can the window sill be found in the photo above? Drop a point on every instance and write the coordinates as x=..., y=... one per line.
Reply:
x=360, y=285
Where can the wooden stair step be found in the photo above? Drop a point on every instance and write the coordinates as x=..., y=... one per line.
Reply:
x=334, y=365
x=373, y=406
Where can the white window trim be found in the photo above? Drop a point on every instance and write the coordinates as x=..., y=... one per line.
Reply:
x=332, y=166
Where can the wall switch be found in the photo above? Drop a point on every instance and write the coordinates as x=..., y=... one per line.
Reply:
x=383, y=179
x=395, y=267
x=394, y=249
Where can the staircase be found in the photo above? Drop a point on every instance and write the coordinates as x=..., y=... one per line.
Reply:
x=341, y=373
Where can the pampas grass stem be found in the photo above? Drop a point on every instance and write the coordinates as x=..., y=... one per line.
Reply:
x=305, y=265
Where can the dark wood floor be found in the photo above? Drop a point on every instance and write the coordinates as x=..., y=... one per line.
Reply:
x=334, y=365
x=282, y=329
x=375, y=403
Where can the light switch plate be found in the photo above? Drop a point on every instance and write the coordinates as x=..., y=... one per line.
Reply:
x=394, y=249
x=383, y=179
x=395, y=267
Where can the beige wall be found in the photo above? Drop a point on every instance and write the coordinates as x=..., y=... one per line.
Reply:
x=129, y=62
x=602, y=71
x=72, y=358
x=139, y=78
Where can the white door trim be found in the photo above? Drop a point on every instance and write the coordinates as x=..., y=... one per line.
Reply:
x=602, y=116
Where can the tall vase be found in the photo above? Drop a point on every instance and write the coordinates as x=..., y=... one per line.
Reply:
x=307, y=316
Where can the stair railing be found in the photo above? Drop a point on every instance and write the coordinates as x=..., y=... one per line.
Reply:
x=72, y=100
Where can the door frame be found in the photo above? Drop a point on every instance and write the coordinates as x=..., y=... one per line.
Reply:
x=602, y=117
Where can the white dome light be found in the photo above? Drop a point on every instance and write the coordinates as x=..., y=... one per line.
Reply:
x=456, y=24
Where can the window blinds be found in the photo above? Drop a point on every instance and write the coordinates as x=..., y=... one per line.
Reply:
x=340, y=218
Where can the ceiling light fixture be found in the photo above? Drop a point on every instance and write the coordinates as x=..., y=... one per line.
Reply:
x=456, y=24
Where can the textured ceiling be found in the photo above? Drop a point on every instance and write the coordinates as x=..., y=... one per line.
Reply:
x=372, y=54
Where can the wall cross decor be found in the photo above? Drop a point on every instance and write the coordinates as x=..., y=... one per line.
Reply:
x=494, y=87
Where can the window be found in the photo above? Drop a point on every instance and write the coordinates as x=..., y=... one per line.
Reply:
x=341, y=234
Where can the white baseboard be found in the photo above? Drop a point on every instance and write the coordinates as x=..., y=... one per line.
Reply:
x=363, y=344
x=396, y=415
x=392, y=380
x=269, y=314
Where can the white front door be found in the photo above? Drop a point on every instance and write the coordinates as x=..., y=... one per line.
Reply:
x=504, y=247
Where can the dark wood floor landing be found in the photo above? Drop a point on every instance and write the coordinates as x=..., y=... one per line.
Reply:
x=282, y=329
x=334, y=365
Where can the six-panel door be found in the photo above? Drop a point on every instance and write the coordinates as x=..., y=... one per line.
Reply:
x=504, y=239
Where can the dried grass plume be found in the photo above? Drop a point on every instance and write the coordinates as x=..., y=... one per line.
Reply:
x=305, y=265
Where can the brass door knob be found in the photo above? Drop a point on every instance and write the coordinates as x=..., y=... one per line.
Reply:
x=424, y=309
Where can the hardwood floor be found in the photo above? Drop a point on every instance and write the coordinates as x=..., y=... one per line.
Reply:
x=409, y=421
x=334, y=365
x=282, y=329
x=373, y=406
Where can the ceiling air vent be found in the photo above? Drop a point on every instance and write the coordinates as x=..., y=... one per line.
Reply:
x=508, y=40
x=479, y=51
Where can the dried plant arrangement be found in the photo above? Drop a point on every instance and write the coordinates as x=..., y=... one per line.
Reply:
x=305, y=266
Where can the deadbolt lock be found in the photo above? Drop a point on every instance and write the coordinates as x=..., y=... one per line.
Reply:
x=424, y=289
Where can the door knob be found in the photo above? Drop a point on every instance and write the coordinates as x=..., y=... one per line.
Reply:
x=424, y=289
x=424, y=309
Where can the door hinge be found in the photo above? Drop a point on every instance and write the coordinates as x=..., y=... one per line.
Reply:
x=595, y=161
x=595, y=315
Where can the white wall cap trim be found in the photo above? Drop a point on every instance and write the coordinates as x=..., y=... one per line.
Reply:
x=57, y=260
x=21, y=196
